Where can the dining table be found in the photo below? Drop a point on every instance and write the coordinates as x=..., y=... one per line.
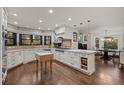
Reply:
x=107, y=51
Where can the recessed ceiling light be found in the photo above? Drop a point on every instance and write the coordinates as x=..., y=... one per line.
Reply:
x=40, y=21
x=39, y=28
x=15, y=22
x=15, y=14
x=69, y=19
x=56, y=25
x=81, y=23
x=88, y=20
x=74, y=25
x=48, y=28
x=50, y=11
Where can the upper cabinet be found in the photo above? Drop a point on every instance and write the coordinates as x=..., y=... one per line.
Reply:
x=25, y=39
x=11, y=39
x=47, y=40
x=97, y=42
x=37, y=40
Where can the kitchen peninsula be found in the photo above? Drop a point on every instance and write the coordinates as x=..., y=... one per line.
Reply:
x=82, y=60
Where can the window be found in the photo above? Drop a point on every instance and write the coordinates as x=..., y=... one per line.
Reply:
x=47, y=40
x=25, y=39
x=11, y=39
x=111, y=43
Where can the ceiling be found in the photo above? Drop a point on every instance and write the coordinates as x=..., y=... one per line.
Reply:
x=30, y=16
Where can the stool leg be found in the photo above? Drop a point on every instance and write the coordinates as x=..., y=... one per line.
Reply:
x=37, y=67
x=41, y=64
x=45, y=67
x=51, y=65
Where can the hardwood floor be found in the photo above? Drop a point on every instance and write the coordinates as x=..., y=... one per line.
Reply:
x=106, y=73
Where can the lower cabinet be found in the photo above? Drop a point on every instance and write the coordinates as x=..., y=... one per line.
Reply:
x=29, y=56
x=68, y=58
x=81, y=61
x=14, y=58
x=122, y=57
x=24, y=56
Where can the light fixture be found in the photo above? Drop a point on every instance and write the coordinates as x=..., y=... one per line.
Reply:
x=50, y=11
x=16, y=22
x=39, y=28
x=56, y=25
x=15, y=14
x=81, y=23
x=48, y=28
x=40, y=21
x=69, y=19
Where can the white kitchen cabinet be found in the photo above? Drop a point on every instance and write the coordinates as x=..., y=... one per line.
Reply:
x=73, y=59
x=68, y=58
x=14, y=58
x=28, y=56
x=121, y=58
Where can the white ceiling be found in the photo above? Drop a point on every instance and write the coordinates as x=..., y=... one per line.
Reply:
x=30, y=16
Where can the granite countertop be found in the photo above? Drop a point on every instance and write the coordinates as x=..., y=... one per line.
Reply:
x=14, y=50
x=61, y=49
x=82, y=51
x=77, y=51
x=20, y=49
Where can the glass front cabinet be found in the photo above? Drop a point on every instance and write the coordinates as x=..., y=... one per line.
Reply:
x=25, y=39
x=47, y=40
x=37, y=40
x=11, y=39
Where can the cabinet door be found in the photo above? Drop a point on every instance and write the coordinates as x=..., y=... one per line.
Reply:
x=14, y=58
x=18, y=57
x=25, y=56
x=57, y=55
x=9, y=60
x=122, y=57
x=29, y=56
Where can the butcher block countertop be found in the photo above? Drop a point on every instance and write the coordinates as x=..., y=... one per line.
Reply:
x=43, y=53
